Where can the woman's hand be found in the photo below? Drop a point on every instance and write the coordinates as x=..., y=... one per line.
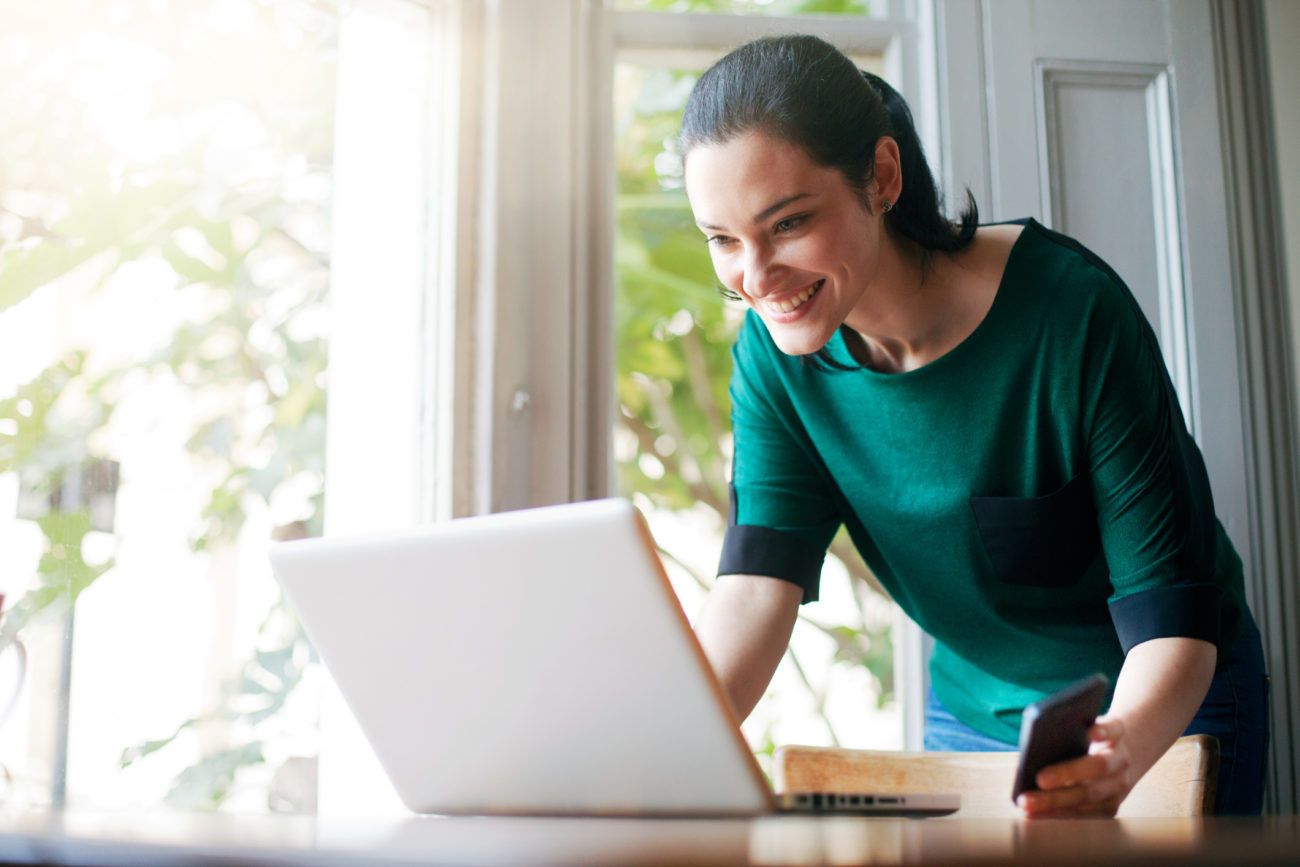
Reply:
x=1158, y=691
x=1092, y=785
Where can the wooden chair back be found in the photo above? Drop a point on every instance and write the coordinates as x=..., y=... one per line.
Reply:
x=1180, y=784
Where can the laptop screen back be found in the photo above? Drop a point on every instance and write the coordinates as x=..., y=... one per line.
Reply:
x=532, y=662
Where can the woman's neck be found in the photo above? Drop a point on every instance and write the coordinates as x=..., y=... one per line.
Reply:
x=923, y=304
x=902, y=318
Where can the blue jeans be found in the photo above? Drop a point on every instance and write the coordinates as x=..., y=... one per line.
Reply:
x=1235, y=711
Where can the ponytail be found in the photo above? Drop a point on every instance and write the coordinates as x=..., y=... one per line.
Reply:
x=917, y=215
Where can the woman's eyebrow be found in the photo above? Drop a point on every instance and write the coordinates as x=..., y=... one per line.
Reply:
x=776, y=206
x=765, y=213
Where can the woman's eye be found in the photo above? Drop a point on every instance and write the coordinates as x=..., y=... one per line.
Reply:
x=717, y=240
x=789, y=224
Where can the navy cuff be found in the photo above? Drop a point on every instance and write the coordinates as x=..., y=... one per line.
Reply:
x=748, y=549
x=1179, y=611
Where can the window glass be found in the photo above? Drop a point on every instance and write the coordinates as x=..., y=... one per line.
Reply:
x=164, y=238
x=672, y=442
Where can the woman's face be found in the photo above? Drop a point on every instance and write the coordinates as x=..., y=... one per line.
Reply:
x=791, y=237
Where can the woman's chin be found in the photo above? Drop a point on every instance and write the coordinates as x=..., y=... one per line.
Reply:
x=798, y=344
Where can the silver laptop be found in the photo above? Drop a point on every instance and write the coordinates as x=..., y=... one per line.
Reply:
x=535, y=662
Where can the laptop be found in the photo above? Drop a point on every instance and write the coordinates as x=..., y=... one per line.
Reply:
x=535, y=662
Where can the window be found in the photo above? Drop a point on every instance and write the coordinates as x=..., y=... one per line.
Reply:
x=165, y=234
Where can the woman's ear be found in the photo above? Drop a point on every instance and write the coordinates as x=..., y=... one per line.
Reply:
x=887, y=174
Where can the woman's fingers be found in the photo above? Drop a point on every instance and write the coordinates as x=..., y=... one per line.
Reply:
x=1101, y=797
x=1104, y=763
x=1091, y=785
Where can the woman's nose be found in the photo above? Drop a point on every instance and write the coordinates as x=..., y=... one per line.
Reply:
x=762, y=273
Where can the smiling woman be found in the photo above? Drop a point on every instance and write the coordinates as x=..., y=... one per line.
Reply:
x=992, y=422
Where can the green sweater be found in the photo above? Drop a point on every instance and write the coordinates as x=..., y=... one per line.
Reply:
x=1032, y=498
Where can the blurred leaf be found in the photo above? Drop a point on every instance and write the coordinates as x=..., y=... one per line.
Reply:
x=23, y=270
x=131, y=755
x=206, y=784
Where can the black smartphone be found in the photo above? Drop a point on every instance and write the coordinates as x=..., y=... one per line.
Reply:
x=1056, y=729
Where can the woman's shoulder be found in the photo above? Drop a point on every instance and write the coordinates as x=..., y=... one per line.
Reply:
x=1061, y=268
x=999, y=238
x=972, y=278
x=1046, y=247
x=987, y=255
x=1077, y=292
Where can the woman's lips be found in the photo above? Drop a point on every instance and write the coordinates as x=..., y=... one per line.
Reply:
x=790, y=303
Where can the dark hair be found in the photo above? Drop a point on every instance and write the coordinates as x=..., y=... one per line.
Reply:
x=803, y=90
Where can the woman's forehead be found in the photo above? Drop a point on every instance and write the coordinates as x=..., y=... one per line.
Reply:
x=747, y=148
x=751, y=169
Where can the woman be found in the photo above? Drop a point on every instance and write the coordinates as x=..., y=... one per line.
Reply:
x=987, y=412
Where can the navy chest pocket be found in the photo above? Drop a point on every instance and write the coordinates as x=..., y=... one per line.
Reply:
x=1045, y=541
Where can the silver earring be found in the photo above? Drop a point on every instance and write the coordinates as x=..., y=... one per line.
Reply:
x=885, y=205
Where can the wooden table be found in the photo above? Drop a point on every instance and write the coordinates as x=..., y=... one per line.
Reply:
x=213, y=839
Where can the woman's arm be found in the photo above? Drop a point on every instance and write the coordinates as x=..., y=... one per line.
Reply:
x=744, y=628
x=1159, y=690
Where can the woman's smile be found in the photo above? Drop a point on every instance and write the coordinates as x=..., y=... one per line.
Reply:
x=790, y=306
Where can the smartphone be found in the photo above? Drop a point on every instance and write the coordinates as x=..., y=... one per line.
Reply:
x=1055, y=729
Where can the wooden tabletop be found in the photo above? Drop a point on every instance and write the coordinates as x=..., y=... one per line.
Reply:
x=212, y=839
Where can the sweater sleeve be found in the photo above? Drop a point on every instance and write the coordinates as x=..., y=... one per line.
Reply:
x=782, y=515
x=1155, y=512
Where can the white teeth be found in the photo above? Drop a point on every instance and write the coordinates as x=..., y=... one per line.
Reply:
x=788, y=304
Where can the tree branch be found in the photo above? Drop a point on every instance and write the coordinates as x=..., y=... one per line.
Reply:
x=818, y=696
x=847, y=553
x=664, y=552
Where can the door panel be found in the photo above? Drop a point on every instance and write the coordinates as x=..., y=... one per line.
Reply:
x=1106, y=146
